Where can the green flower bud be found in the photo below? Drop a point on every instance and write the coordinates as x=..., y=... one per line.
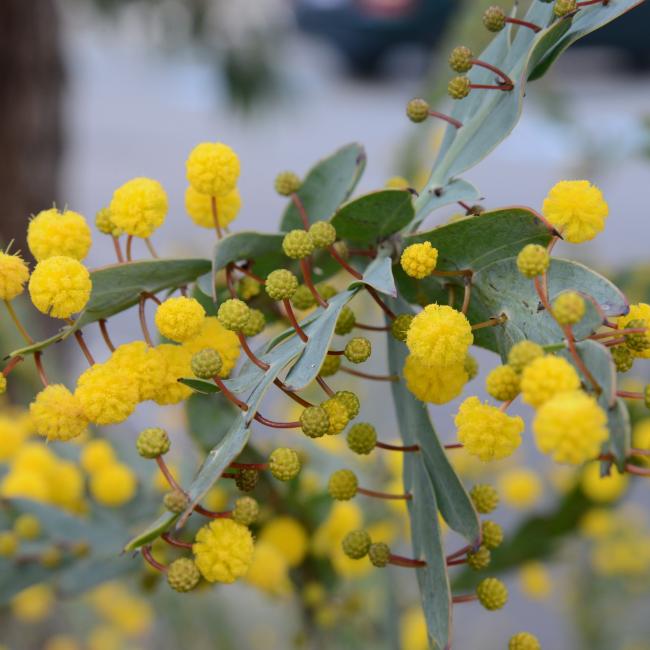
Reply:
x=362, y=438
x=206, y=363
x=246, y=511
x=323, y=234
x=623, y=358
x=297, y=244
x=287, y=183
x=152, y=442
x=494, y=18
x=105, y=224
x=183, y=575
x=246, y=479
x=492, y=534
x=637, y=342
x=356, y=544
x=569, y=308
x=471, y=367
x=492, y=593
x=533, y=260
x=417, y=110
x=479, y=560
x=460, y=59
x=350, y=401
x=358, y=349
x=379, y=554
x=284, y=463
x=400, y=326
x=281, y=284
x=326, y=291
x=564, y=7
x=345, y=322
x=314, y=422
x=522, y=353
x=485, y=498
x=303, y=298
x=248, y=288
x=342, y=485
x=233, y=314
x=331, y=365
x=175, y=501
x=256, y=323
x=459, y=87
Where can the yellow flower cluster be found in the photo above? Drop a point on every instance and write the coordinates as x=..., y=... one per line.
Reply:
x=180, y=319
x=199, y=207
x=434, y=384
x=639, y=311
x=418, y=260
x=545, y=377
x=603, y=489
x=139, y=207
x=126, y=613
x=112, y=483
x=520, y=487
x=57, y=414
x=52, y=233
x=13, y=275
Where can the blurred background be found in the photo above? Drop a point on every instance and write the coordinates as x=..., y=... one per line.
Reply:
x=93, y=93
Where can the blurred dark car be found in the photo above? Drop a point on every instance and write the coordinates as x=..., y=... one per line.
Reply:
x=365, y=31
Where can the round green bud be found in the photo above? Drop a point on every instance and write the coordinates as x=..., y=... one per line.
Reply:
x=400, y=326
x=246, y=511
x=246, y=479
x=152, y=442
x=460, y=59
x=331, y=365
x=533, y=260
x=524, y=641
x=297, y=244
x=362, y=438
x=484, y=497
x=233, y=314
x=183, y=575
x=637, y=342
x=492, y=593
x=105, y=224
x=281, y=284
x=314, y=421
x=27, y=526
x=345, y=322
x=646, y=396
x=471, y=367
x=356, y=544
x=337, y=413
x=175, y=501
x=206, y=363
x=564, y=7
x=248, y=288
x=8, y=544
x=417, y=110
x=287, y=183
x=326, y=291
x=523, y=353
x=358, y=349
x=342, y=485
x=350, y=401
x=459, y=87
x=284, y=463
x=256, y=323
x=379, y=554
x=492, y=534
x=494, y=18
x=622, y=357
x=569, y=308
x=479, y=560
x=303, y=298
x=51, y=557
x=322, y=233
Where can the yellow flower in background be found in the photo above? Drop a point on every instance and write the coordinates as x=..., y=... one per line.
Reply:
x=344, y=516
x=105, y=637
x=269, y=571
x=214, y=335
x=160, y=482
x=113, y=485
x=396, y=183
x=288, y=536
x=640, y=311
x=535, y=581
x=520, y=487
x=348, y=568
x=216, y=499
x=603, y=489
x=545, y=377
x=641, y=439
x=33, y=604
x=127, y=613
x=12, y=436
x=199, y=207
x=413, y=630
x=178, y=363
x=598, y=523
x=57, y=414
x=62, y=642
x=96, y=454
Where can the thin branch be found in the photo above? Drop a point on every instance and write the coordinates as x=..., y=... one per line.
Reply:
x=365, y=375
x=105, y=335
x=215, y=216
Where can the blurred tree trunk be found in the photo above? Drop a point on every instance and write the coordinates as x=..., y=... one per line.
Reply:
x=31, y=83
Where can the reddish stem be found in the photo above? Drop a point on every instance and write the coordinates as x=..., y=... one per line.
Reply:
x=143, y=320
x=371, y=252
x=446, y=118
x=306, y=274
x=385, y=308
x=468, y=273
x=160, y=461
x=294, y=321
x=586, y=3
x=296, y=398
x=373, y=328
x=215, y=216
x=466, y=295
x=639, y=452
x=257, y=466
x=628, y=394
x=507, y=81
x=129, y=246
x=605, y=335
x=262, y=365
x=13, y=362
x=524, y=23
x=146, y=554
x=457, y=562
x=229, y=395
x=400, y=560
x=383, y=495
x=491, y=87
x=210, y=513
x=39, y=368
x=301, y=210
x=365, y=375
x=104, y=330
x=172, y=541
x=325, y=386
x=118, y=250
x=460, y=552
x=490, y=322
x=150, y=248
x=336, y=353
x=274, y=424
x=84, y=348
x=246, y=271
x=614, y=342
x=350, y=269
x=468, y=598
x=568, y=333
x=386, y=445
x=638, y=471
x=454, y=445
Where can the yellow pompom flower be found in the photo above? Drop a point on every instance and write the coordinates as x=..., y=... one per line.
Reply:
x=639, y=311
x=96, y=454
x=199, y=207
x=212, y=168
x=60, y=286
x=439, y=336
x=178, y=364
x=545, y=377
x=57, y=414
x=24, y=483
x=139, y=207
x=66, y=485
x=288, y=536
x=12, y=436
x=502, y=383
x=640, y=438
x=113, y=485
x=106, y=395
x=413, y=630
x=180, y=319
x=520, y=487
x=577, y=209
x=13, y=275
x=571, y=427
x=146, y=365
x=535, y=581
x=214, y=335
x=434, y=384
x=36, y=457
x=269, y=571
x=487, y=432
x=418, y=260
x=52, y=233
x=223, y=550
x=603, y=489
x=33, y=604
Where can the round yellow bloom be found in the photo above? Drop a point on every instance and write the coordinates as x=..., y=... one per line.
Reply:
x=180, y=319
x=223, y=550
x=36, y=457
x=24, y=483
x=57, y=414
x=640, y=311
x=139, y=207
x=212, y=168
x=577, y=209
x=603, y=489
x=439, y=336
x=12, y=436
x=178, y=364
x=96, y=454
x=269, y=571
x=106, y=395
x=487, y=432
x=640, y=438
x=146, y=365
x=27, y=526
x=413, y=630
x=33, y=604
x=214, y=335
x=52, y=233
x=199, y=207
x=288, y=536
x=418, y=260
x=113, y=485
x=13, y=275
x=434, y=384
x=571, y=427
x=60, y=286
x=66, y=485
x=535, y=581
x=520, y=487
x=545, y=377
x=502, y=383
